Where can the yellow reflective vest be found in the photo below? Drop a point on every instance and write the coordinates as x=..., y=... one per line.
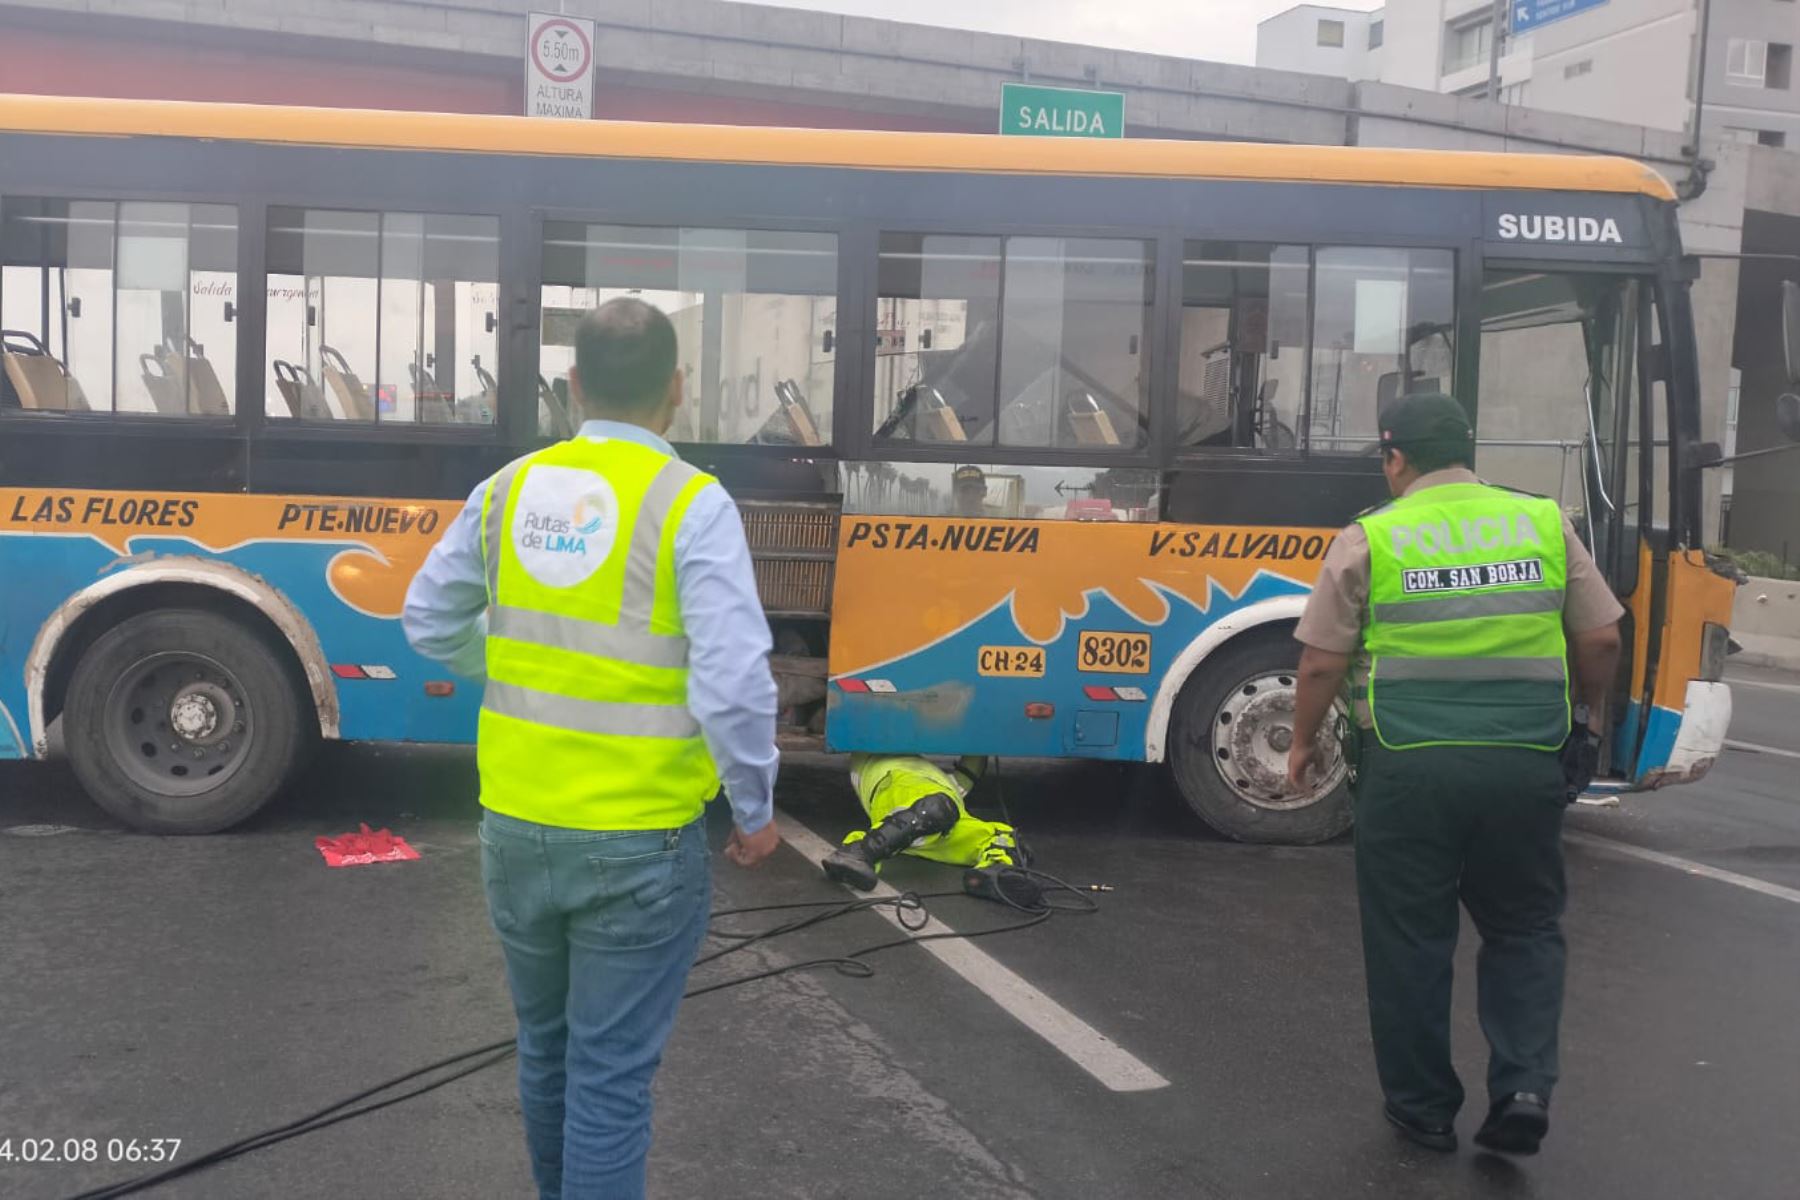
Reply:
x=1465, y=634
x=584, y=721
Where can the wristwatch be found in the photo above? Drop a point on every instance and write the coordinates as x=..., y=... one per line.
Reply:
x=1583, y=718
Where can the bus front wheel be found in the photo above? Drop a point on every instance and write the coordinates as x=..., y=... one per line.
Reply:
x=1229, y=735
x=183, y=721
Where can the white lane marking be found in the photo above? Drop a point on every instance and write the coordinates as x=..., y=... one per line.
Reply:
x=1687, y=865
x=1080, y=1042
x=1734, y=681
x=1753, y=748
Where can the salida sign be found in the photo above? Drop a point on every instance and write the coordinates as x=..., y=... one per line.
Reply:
x=559, y=67
x=1030, y=111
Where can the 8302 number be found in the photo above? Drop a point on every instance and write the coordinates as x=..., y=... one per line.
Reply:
x=1114, y=653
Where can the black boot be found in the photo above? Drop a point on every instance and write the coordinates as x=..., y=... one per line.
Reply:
x=853, y=865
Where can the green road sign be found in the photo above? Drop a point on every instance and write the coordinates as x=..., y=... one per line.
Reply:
x=1030, y=111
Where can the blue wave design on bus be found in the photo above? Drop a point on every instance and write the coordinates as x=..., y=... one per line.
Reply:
x=934, y=707
x=384, y=710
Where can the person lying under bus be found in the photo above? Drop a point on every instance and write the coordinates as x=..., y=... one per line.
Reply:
x=915, y=807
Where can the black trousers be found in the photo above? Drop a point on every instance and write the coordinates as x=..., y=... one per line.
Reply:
x=1483, y=825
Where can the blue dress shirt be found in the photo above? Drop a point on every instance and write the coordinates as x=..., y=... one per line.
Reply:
x=730, y=690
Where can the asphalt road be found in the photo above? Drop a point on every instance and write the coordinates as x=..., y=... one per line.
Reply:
x=204, y=989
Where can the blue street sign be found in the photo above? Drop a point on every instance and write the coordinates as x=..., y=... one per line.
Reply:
x=1527, y=15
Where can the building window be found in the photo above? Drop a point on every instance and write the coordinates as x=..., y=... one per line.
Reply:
x=383, y=317
x=755, y=315
x=1031, y=342
x=1331, y=33
x=125, y=306
x=1771, y=137
x=1746, y=61
x=1779, y=66
x=1376, y=30
x=1467, y=45
x=1577, y=69
x=1383, y=327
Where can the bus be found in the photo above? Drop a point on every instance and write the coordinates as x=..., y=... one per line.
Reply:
x=1039, y=443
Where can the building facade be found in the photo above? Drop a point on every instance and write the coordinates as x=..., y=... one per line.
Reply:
x=1638, y=61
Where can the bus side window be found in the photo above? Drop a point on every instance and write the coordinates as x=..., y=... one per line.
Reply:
x=1383, y=327
x=118, y=306
x=1029, y=342
x=385, y=317
x=755, y=315
x=1242, y=371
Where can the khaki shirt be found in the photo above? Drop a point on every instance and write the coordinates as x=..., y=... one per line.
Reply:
x=1338, y=607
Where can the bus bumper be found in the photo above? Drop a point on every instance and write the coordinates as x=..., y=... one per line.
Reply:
x=1699, y=738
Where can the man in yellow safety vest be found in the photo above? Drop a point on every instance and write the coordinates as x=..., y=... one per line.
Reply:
x=604, y=590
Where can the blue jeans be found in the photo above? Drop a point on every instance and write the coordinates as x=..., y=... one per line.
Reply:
x=599, y=929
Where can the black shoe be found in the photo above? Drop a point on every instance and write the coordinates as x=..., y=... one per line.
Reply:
x=1433, y=1137
x=1515, y=1125
x=851, y=869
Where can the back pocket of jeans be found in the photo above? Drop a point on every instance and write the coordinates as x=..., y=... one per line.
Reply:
x=494, y=882
x=639, y=894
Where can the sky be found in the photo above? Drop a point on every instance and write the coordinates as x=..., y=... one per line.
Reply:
x=1220, y=30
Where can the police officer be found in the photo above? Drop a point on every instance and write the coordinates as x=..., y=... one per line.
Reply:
x=915, y=807
x=1461, y=607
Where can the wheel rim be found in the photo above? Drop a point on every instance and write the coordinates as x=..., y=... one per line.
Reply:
x=178, y=723
x=1252, y=731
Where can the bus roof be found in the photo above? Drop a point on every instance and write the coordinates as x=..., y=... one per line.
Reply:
x=867, y=149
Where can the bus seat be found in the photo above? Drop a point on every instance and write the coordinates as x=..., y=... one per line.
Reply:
x=487, y=404
x=303, y=397
x=938, y=422
x=166, y=383
x=205, y=393
x=352, y=396
x=287, y=387
x=553, y=414
x=793, y=404
x=1091, y=424
x=41, y=383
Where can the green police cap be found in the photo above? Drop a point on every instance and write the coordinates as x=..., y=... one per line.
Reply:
x=1429, y=420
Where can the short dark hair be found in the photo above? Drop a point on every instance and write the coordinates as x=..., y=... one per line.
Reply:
x=625, y=355
x=1427, y=457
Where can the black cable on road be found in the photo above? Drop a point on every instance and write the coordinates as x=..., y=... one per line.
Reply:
x=909, y=910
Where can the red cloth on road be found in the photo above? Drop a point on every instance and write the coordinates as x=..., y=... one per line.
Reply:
x=361, y=849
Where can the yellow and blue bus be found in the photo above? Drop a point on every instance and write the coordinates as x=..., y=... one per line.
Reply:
x=1039, y=443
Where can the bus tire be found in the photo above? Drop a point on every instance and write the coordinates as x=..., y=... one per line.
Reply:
x=1228, y=738
x=182, y=721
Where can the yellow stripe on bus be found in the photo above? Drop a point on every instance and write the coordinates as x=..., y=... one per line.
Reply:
x=867, y=149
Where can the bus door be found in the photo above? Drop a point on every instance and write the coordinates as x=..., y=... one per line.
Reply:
x=1573, y=404
x=1677, y=707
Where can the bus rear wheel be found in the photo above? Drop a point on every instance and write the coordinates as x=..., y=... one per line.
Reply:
x=183, y=721
x=1230, y=732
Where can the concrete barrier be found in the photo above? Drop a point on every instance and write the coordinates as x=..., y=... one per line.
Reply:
x=1765, y=620
x=1767, y=608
